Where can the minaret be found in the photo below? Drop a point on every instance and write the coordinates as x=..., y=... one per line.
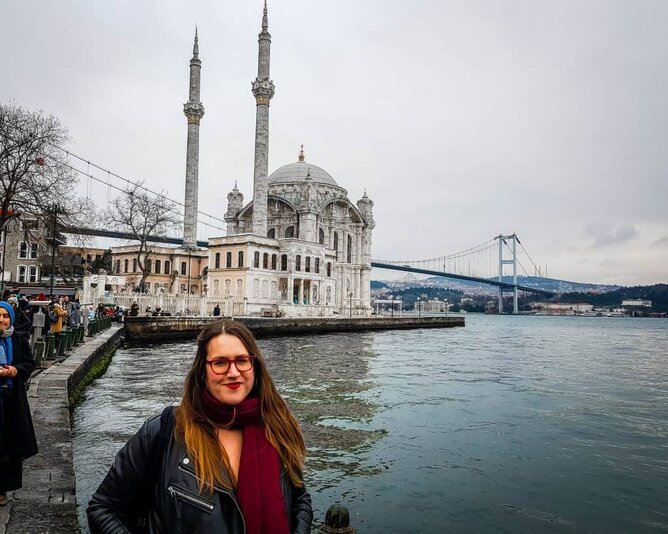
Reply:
x=194, y=111
x=263, y=91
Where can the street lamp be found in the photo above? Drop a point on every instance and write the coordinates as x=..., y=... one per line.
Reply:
x=392, y=306
x=56, y=208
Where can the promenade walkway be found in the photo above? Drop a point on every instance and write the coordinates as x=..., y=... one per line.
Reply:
x=47, y=501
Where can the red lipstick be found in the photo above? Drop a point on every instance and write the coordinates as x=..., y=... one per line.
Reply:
x=235, y=385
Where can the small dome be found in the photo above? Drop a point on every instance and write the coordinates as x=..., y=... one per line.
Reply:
x=297, y=172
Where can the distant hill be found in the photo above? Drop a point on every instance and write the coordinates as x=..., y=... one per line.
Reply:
x=547, y=284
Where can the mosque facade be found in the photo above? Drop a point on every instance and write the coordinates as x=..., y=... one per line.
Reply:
x=300, y=247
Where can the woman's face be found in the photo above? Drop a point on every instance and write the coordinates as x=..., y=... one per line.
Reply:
x=5, y=319
x=233, y=386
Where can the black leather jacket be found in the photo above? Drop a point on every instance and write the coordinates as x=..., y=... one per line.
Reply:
x=174, y=502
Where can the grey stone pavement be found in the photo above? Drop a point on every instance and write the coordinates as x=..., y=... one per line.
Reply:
x=47, y=501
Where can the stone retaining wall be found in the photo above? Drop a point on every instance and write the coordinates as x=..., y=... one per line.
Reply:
x=157, y=329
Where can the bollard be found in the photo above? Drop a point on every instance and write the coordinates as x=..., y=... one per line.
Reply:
x=50, y=346
x=337, y=521
x=61, y=338
x=69, y=339
x=75, y=336
x=38, y=351
x=82, y=334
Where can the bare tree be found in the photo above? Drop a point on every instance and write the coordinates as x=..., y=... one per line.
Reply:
x=142, y=215
x=33, y=171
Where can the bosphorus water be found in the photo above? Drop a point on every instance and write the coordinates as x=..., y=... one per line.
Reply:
x=511, y=424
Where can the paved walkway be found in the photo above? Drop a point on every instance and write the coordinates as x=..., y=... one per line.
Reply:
x=47, y=501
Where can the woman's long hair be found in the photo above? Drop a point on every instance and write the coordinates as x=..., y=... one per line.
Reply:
x=199, y=433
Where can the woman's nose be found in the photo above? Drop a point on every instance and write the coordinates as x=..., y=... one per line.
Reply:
x=233, y=371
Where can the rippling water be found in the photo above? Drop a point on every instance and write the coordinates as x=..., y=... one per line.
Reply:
x=511, y=424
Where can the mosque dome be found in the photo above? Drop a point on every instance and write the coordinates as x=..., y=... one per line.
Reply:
x=298, y=171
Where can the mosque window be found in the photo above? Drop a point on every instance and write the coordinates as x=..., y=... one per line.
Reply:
x=298, y=263
x=307, y=264
x=350, y=250
x=158, y=266
x=167, y=266
x=217, y=261
x=228, y=260
x=273, y=262
x=240, y=258
x=336, y=241
x=118, y=266
x=284, y=262
x=148, y=265
x=329, y=268
x=317, y=265
x=272, y=233
x=256, y=260
x=134, y=265
x=265, y=261
x=125, y=265
x=183, y=268
x=290, y=231
x=321, y=236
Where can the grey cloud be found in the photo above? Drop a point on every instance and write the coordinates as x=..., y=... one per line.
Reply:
x=663, y=242
x=606, y=234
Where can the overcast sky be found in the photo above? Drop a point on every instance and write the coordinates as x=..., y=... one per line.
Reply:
x=462, y=119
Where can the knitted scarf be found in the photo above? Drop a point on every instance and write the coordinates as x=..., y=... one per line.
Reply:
x=258, y=486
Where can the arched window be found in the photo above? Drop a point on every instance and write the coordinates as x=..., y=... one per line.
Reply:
x=23, y=251
x=167, y=267
x=298, y=263
x=184, y=268
x=240, y=258
x=273, y=262
x=256, y=260
x=317, y=265
x=321, y=236
x=350, y=249
x=32, y=274
x=284, y=262
x=329, y=268
x=118, y=266
x=148, y=264
x=228, y=260
x=272, y=233
x=217, y=261
x=290, y=231
x=134, y=265
x=265, y=261
x=336, y=241
x=21, y=274
x=33, y=251
x=158, y=266
x=125, y=265
x=307, y=264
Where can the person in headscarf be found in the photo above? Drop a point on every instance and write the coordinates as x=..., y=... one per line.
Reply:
x=17, y=435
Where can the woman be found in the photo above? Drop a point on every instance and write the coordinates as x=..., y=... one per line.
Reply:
x=233, y=463
x=17, y=435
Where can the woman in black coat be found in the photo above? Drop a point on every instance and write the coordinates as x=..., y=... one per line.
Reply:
x=17, y=435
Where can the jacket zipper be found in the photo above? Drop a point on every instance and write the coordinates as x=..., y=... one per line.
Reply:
x=221, y=490
x=178, y=493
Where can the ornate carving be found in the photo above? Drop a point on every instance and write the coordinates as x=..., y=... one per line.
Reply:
x=194, y=111
x=263, y=91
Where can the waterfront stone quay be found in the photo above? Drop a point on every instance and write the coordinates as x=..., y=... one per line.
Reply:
x=159, y=329
x=47, y=501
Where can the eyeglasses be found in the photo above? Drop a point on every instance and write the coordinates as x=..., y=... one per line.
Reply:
x=220, y=366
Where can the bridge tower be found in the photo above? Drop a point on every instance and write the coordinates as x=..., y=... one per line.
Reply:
x=512, y=261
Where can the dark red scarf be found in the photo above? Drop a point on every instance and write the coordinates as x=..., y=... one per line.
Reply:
x=258, y=487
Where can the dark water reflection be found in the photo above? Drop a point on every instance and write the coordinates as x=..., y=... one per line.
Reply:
x=511, y=424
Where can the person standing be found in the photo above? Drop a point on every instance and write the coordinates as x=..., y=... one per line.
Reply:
x=59, y=314
x=17, y=435
x=230, y=462
x=216, y=311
